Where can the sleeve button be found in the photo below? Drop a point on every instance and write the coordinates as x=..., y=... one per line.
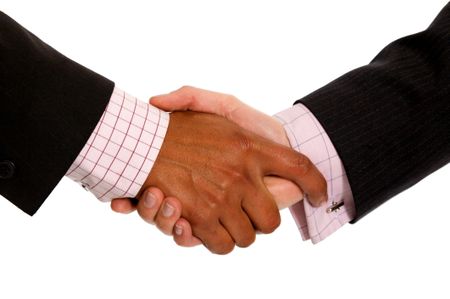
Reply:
x=7, y=169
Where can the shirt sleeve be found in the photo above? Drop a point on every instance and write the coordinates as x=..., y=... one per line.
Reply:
x=307, y=136
x=121, y=151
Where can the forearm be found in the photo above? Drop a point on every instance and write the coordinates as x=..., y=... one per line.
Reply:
x=307, y=136
x=389, y=120
x=49, y=107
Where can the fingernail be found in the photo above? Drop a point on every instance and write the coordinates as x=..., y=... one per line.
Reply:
x=178, y=230
x=150, y=200
x=167, y=210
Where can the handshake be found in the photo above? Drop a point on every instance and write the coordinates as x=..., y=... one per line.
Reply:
x=222, y=173
x=218, y=171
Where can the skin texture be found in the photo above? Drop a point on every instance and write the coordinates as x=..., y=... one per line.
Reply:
x=240, y=230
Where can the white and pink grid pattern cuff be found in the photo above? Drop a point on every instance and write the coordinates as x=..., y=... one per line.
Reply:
x=307, y=136
x=121, y=151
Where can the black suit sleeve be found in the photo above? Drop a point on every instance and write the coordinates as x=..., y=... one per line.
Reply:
x=390, y=120
x=49, y=106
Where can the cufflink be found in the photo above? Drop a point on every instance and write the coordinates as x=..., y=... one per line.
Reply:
x=335, y=206
x=85, y=186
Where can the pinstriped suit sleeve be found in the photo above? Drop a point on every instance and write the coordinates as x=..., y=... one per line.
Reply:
x=389, y=120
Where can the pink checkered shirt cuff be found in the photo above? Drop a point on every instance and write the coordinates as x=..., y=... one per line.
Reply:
x=121, y=151
x=307, y=136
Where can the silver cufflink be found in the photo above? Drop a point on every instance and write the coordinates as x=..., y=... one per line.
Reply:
x=335, y=206
x=85, y=186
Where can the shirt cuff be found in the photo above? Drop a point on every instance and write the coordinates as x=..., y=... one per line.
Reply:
x=307, y=136
x=121, y=151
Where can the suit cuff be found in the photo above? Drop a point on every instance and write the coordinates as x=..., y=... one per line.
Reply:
x=307, y=136
x=121, y=151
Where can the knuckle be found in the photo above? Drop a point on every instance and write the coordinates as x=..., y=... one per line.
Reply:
x=223, y=248
x=147, y=216
x=233, y=98
x=163, y=229
x=204, y=216
x=302, y=163
x=149, y=220
x=180, y=241
x=185, y=88
x=164, y=226
x=220, y=198
x=188, y=93
x=271, y=223
x=230, y=99
x=230, y=179
x=243, y=142
x=235, y=178
x=230, y=105
x=246, y=241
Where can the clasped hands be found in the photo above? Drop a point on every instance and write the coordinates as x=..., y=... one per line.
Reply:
x=222, y=173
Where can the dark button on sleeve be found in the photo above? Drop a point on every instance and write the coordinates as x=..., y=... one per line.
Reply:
x=6, y=169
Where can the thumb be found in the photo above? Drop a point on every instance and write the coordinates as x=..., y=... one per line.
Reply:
x=285, y=192
x=196, y=99
x=172, y=102
x=123, y=205
x=225, y=105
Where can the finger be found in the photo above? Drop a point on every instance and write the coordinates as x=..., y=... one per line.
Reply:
x=285, y=192
x=215, y=238
x=149, y=204
x=286, y=163
x=123, y=205
x=196, y=99
x=262, y=209
x=182, y=234
x=228, y=106
x=168, y=215
x=241, y=229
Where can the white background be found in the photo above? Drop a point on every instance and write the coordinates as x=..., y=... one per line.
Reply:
x=268, y=53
